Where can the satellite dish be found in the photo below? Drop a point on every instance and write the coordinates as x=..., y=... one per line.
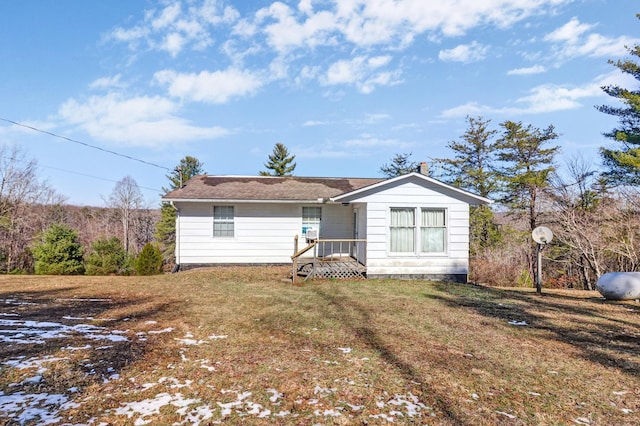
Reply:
x=542, y=235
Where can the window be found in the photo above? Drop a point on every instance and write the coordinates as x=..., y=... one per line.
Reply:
x=311, y=217
x=402, y=230
x=432, y=231
x=223, y=221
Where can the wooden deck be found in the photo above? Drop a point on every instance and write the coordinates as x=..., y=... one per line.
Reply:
x=338, y=261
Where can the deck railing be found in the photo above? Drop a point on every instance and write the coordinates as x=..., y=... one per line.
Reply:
x=348, y=252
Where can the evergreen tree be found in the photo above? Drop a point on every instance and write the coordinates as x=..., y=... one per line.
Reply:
x=474, y=155
x=280, y=162
x=107, y=257
x=401, y=164
x=166, y=226
x=526, y=167
x=149, y=261
x=58, y=252
x=472, y=169
x=624, y=163
x=189, y=167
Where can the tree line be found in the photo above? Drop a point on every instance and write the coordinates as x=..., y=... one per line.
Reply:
x=594, y=214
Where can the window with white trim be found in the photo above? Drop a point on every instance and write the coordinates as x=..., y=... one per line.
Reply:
x=311, y=218
x=433, y=231
x=402, y=230
x=223, y=221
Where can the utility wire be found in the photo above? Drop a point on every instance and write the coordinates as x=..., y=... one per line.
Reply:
x=96, y=177
x=78, y=173
x=85, y=144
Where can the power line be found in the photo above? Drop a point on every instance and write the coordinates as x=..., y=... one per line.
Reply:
x=85, y=144
x=79, y=174
x=95, y=177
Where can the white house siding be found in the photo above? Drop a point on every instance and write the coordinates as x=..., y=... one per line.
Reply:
x=453, y=264
x=263, y=232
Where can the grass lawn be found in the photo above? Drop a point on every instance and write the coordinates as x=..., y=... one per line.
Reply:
x=243, y=346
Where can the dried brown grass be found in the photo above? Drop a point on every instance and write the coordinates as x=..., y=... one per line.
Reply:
x=449, y=345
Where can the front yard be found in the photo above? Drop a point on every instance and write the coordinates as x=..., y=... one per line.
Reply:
x=243, y=346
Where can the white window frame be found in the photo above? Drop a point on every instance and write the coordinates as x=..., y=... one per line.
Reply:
x=311, y=221
x=418, y=227
x=442, y=227
x=400, y=227
x=224, y=220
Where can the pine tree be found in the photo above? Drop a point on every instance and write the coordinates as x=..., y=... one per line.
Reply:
x=280, y=162
x=59, y=252
x=526, y=167
x=401, y=164
x=166, y=226
x=624, y=163
x=472, y=169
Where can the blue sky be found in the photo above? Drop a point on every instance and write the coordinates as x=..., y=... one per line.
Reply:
x=343, y=84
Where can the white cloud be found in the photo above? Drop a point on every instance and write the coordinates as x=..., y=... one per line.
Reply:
x=149, y=121
x=569, y=32
x=544, y=98
x=313, y=123
x=368, y=141
x=108, y=83
x=366, y=23
x=536, y=69
x=574, y=40
x=466, y=53
x=211, y=87
x=173, y=43
x=173, y=28
x=362, y=72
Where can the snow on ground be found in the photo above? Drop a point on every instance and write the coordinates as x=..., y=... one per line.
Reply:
x=43, y=408
x=147, y=400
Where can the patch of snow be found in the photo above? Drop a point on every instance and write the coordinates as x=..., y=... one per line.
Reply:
x=626, y=410
x=345, y=350
x=275, y=395
x=620, y=393
x=513, y=322
x=149, y=407
x=533, y=393
x=36, y=332
x=214, y=337
x=191, y=342
x=511, y=416
x=41, y=408
x=164, y=330
x=327, y=413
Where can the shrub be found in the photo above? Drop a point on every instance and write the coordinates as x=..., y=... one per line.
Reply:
x=149, y=261
x=58, y=252
x=107, y=257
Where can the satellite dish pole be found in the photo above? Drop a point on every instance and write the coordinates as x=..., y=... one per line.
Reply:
x=543, y=236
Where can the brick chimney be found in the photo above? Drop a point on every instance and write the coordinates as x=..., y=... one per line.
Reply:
x=423, y=169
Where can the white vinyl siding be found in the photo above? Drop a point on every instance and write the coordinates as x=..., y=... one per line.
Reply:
x=263, y=233
x=223, y=221
x=433, y=231
x=311, y=218
x=414, y=193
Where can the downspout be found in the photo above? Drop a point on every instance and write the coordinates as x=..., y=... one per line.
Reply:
x=176, y=268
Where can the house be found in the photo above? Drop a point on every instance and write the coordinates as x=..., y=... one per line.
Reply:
x=411, y=226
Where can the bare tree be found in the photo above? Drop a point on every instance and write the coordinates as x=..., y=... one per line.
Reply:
x=580, y=219
x=127, y=200
x=25, y=206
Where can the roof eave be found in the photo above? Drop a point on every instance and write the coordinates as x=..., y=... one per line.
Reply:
x=481, y=200
x=231, y=200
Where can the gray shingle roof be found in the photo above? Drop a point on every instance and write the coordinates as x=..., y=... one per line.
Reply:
x=290, y=188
